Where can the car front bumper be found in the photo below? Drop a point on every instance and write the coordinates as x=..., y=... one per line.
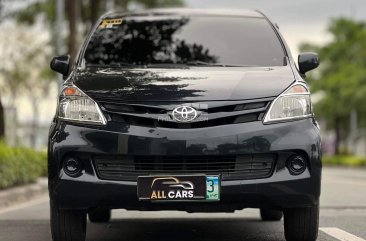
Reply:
x=280, y=190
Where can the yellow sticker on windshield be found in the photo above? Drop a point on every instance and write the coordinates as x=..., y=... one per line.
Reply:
x=110, y=23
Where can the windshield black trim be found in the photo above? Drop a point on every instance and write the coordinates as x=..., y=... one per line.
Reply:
x=277, y=34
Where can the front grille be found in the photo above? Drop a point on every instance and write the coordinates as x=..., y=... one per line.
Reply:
x=158, y=114
x=231, y=167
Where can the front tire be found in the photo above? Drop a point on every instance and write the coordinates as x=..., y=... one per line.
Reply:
x=270, y=215
x=100, y=215
x=67, y=225
x=301, y=224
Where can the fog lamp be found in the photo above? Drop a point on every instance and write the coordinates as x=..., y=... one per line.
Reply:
x=296, y=164
x=72, y=167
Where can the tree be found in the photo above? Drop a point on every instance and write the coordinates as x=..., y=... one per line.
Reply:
x=342, y=76
x=80, y=15
x=25, y=70
x=72, y=7
x=85, y=12
x=12, y=75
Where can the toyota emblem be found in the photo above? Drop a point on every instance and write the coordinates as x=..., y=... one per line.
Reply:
x=184, y=114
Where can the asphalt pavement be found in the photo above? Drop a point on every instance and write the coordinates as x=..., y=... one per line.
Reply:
x=342, y=217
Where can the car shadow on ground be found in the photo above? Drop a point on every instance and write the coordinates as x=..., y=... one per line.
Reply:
x=173, y=229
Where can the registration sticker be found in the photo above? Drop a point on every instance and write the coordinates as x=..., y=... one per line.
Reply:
x=110, y=23
x=213, y=188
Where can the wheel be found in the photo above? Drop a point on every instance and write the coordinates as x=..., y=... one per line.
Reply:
x=100, y=215
x=67, y=225
x=301, y=224
x=270, y=215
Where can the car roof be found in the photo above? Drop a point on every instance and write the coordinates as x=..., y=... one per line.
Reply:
x=187, y=12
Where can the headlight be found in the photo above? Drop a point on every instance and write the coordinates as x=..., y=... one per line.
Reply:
x=292, y=104
x=75, y=105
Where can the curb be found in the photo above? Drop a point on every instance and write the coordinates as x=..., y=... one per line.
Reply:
x=23, y=193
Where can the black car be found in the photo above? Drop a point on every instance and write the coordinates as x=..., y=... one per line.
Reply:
x=191, y=110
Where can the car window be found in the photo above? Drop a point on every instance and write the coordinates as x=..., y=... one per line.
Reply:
x=181, y=40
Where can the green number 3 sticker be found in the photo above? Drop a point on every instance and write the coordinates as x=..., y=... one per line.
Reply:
x=210, y=186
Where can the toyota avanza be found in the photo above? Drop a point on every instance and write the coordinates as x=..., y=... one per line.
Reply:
x=189, y=110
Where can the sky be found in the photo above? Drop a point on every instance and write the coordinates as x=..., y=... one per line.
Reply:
x=299, y=20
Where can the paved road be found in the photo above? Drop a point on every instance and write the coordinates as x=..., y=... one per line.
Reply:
x=343, y=217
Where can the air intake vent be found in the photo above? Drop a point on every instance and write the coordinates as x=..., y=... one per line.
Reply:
x=231, y=167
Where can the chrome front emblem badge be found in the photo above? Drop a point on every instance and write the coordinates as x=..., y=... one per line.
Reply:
x=184, y=114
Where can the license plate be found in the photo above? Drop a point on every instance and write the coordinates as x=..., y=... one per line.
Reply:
x=179, y=188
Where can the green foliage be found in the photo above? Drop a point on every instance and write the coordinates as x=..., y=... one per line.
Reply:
x=19, y=165
x=89, y=12
x=29, y=14
x=160, y=3
x=344, y=160
x=342, y=75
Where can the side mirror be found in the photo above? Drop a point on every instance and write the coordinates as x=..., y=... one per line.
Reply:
x=61, y=64
x=308, y=61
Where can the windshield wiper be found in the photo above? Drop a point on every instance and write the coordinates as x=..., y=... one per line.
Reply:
x=115, y=65
x=202, y=63
x=167, y=65
x=125, y=64
x=164, y=65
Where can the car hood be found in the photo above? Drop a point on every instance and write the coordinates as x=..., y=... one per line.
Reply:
x=188, y=84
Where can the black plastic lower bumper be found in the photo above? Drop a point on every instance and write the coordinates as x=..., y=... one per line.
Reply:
x=234, y=196
x=280, y=190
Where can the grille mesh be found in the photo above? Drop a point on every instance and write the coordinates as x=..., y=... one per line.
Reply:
x=231, y=167
x=216, y=113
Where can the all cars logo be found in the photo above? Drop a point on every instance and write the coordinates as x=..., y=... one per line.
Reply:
x=173, y=188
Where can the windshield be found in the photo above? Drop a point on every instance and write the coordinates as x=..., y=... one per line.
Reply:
x=237, y=41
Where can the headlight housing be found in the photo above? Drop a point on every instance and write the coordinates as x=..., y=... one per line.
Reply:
x=292, y=104
x=75, y=105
